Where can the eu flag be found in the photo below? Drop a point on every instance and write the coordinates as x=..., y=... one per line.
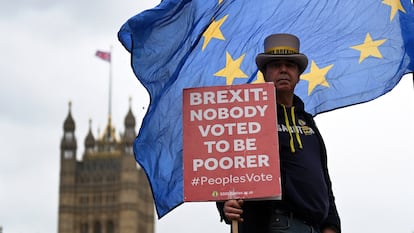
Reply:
x=357, y=50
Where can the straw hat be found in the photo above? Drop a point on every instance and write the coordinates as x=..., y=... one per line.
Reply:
x=281, y=46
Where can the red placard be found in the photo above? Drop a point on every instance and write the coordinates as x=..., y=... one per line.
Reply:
x=230, y=143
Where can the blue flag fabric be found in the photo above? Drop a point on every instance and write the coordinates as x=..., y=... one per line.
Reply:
x=357, y=50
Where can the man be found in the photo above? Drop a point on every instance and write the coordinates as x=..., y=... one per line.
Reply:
x=307, y=204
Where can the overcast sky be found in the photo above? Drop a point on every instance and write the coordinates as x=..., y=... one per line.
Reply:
x=47, y=59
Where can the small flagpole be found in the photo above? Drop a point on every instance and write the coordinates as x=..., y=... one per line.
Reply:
x=110, y=85
x=107, y=56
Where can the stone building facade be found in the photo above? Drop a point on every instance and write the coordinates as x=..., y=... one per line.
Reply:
x=105, y=191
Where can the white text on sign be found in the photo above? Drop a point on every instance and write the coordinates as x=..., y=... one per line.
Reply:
x=225, y=163
x=228, y=96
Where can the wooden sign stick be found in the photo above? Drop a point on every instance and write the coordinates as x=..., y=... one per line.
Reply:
x=235, y=226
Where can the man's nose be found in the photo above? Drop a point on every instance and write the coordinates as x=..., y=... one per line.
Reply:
x=283, y=67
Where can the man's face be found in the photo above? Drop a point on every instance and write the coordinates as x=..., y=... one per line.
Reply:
x=283, y=73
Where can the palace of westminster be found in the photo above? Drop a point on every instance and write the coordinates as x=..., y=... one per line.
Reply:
x=104, y=191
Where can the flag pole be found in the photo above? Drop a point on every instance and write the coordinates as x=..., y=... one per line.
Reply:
x=109, y=133
x=110, y=86
x=106, y=56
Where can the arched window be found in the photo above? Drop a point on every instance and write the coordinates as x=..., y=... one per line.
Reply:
x=110, y=227
x=84, y=228
x=97, y=228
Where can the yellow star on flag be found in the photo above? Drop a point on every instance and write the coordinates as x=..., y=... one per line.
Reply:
x=220, y=1
x=369, y=48
x=395, y=6
x=232, y=69
x=213, y=31
x=316, y=76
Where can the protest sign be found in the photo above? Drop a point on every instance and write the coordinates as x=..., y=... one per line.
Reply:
x=230, y=143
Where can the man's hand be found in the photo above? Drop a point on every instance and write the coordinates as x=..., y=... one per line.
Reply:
x=233, y=210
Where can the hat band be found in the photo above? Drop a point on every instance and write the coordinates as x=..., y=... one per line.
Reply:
x=282, y=50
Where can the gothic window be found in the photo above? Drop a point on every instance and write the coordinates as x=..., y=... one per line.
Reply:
x=110, y=198
x=84, y=200
x=68, y=154
x=110, y=178
x=98, y=178
x=69, y=136
x=129, y=150
x=97, y=228
x=110, y=228
x=97, y=199
x=84, y=228
x=129, y=133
